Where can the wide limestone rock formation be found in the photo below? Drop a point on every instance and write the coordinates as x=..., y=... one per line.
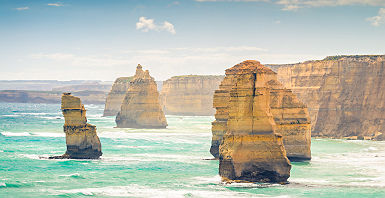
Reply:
x=290, y=115
x=250, y=150
x=189, y=95
x=345, y=94
x=140, y=107
x=116, y=95
x=81, y=138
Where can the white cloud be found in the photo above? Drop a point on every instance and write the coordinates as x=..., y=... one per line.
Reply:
x=162, y=62
x=293, y=5
x=168, y=27
x=146, y=25
x=55, y=4
x=379, y=19
x=80, y=60
x=22, y=8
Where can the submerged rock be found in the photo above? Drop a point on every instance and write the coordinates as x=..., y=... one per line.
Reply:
x=250, y=150
x=290, y=115
x=81, y=138
x=189, y=95
x=116, y=96
x=140, y=107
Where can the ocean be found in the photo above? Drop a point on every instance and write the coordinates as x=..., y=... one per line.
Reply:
x=164, y=162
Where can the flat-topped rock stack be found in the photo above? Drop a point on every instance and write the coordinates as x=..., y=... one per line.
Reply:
x=81, y=138
x=292, y=120
x=250, y=149
x=190, y=95
x=116, y=95
x=140, y=107
x=290, y=115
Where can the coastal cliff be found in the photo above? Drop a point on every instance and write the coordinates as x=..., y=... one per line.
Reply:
x=189, y=95
x=250, y=150
x=81, y=138
x=290, y=115
x=345, y=94
x=140, y=107
x=116, y=95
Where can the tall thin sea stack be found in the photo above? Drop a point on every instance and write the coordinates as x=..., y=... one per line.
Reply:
x=81, y=138
x=140, y=107
x=250, y=150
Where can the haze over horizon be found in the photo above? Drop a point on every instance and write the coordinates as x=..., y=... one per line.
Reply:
x=103, y=40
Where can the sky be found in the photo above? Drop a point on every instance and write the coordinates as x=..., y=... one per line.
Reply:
x=106, y=39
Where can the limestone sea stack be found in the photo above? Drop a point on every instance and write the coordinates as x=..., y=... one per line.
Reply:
x=116, y=95
x=290, y=115
x=190, y=95
x=81, y=138
x=140, y=107
x=345, y=94
x=292, y=120
x=250, y=151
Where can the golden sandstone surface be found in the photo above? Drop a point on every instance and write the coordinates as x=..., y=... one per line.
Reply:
x=189, y=94
x=81, y=138
x=344, y=94
x=140, y=107
x=290, y=116
x=249, y=149
x=116, y=95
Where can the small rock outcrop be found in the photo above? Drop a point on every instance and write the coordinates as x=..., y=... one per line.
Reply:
x=250, y=149
x=140, y=107
x=81, y=138
x=116, y=95
x=190, y=95
x=290, y=115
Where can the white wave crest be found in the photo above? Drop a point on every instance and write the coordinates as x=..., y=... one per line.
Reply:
x=143, y=191
x=15, y=134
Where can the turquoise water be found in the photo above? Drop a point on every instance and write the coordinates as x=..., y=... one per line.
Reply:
x=163, y=162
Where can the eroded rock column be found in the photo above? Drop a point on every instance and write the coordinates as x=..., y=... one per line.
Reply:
x=81, y=138
x=251, y=150
x=140, y=107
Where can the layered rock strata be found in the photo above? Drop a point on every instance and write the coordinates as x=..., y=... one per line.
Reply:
x=81, y=138
x=250, y=150
x=140, y=107
x=189, y=95
x=290, y=115
x=116, y=95
x=345, y=94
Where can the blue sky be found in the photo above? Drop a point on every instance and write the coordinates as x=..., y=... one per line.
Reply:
x=95, y=39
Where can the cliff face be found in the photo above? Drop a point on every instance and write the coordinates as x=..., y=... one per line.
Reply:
x=250, y=149
x=290, y=115
x=345, y=94
x=189, y=95
x=81, y=138
x=116, y=95
x=140, y=107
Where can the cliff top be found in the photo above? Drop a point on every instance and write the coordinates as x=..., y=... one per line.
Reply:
x=355, y=57
x=366, y=58
x=249, y=66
